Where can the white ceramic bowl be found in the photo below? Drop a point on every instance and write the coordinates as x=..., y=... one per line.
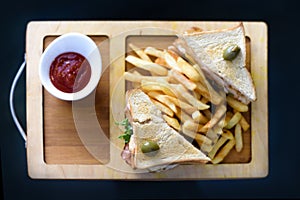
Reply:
x=71, y=42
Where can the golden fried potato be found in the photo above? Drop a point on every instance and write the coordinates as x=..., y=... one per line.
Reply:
x=173, y=122
x=223, y=152
x=237, y=105
x=146, y=65
x=238, y=138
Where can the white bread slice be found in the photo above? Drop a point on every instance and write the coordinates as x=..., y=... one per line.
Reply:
x=148, y=124
x=207, y=48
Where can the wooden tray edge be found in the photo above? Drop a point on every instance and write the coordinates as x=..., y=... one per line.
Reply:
x=258, y=167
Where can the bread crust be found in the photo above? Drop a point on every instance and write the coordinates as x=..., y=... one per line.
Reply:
x=240, y=24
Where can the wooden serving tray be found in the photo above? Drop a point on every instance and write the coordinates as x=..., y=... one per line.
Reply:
x=56, y=150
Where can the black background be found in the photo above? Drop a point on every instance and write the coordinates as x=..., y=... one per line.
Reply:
x=284, y=135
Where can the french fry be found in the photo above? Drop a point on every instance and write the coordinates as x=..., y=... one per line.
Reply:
x=227, y=118
x=202, y=139
x=190, y=133
x=140, y=52
x=173, y=122
x=237, y=105
x=216, y=147
x=187, y=57
x=162, y=62
x=197, y=95
x=189, y=98
x=218, y=114
x=138, y=78
x=204, y=100
x=171, y=61
x=182, y=79
x=181, y=104
x=191, y=125
x=163, y=99
x=244, y=124
x=227, y=134
x=203, y=90
x=199, y=117
x=213, y=96
x=162, y=107
x=188, y=70
x=202, y=80
x=135, y=72
x=204, y=128
x=209, y=94
x=154, y=52
x=207, y=113
x=135, y=84
x=183, y=116
x=158, y=86
x=173, y=54
x=206, y=148
x=234, y=120
x=192, y=62
x=223, y=152
x=146, y=65
x=217, y=130
x=238, y=138
x=212, y=135
x=172, y=80
x=221, y=110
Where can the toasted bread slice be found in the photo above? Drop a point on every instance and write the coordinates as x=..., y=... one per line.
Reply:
x=148, y=124
x=207, y=49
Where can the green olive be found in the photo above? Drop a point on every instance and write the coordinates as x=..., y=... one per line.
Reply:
x=149, y=147
x=231, y=52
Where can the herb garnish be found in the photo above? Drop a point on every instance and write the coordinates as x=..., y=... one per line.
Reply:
x=128, y=130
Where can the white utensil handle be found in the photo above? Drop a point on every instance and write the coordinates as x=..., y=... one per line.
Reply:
x=11, y=101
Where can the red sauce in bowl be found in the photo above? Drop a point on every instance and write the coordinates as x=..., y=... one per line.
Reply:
x=70, y=72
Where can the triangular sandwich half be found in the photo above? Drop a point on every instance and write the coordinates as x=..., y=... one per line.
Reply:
x=207, y=49
x=148, y=125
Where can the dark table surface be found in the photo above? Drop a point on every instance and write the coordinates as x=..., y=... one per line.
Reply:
x=284, y=134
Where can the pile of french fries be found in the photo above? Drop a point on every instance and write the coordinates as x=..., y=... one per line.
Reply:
x=178, y=87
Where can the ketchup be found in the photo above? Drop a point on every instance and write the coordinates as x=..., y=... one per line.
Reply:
x=70, y=72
